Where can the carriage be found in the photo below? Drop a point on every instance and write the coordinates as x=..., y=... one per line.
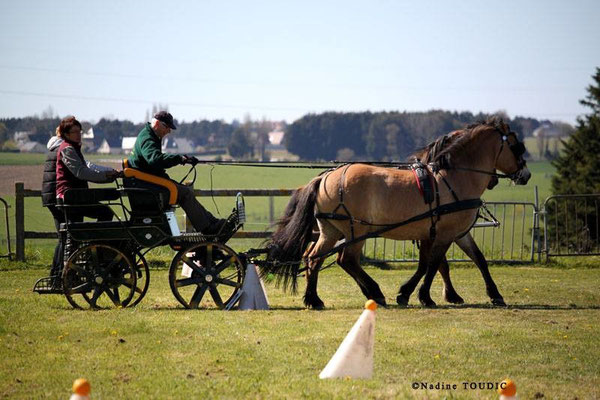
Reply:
x=343, y=206
x=105, y=265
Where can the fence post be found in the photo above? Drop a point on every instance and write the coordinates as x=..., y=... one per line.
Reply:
x=20, y=220
x=271, y=210
x=535, y=237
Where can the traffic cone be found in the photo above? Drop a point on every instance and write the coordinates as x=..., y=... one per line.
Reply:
x=254, y=296
x=81, y=390
x=354, y=357
x=508, y=390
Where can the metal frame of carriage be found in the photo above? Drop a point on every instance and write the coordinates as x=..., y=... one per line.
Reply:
x=105, y=265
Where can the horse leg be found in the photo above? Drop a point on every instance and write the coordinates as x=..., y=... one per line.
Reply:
x=448, y=292
x=327, y=240
x=468, y=245
x=409, y=286
x=349, y=260
x=437, y=253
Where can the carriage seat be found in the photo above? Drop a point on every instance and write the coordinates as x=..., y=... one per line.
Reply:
x=142, y=198
x=87, y=197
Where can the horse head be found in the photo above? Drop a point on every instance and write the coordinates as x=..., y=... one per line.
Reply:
x=510, y=156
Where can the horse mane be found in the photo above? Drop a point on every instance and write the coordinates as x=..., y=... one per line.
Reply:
x=445, y=148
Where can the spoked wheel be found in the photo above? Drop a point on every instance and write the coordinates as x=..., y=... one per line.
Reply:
x=206, y=275
x=142, y=273
x=99, y=276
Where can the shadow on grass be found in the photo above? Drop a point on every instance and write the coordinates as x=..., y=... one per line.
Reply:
x=571, y=307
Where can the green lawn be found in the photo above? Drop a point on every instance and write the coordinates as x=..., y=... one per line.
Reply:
x=546, y=341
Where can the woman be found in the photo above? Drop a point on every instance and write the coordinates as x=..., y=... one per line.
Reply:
x=73, y=172
x=49, y=198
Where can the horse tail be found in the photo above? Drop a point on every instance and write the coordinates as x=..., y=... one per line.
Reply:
x=292, y=235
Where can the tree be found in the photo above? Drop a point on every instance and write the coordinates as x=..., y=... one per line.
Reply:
x=239, y=146
x=578, y=166
x=4, y=136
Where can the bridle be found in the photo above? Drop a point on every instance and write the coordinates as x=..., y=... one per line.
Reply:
x=518, y=149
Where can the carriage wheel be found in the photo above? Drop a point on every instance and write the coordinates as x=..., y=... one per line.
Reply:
x=99, y=276
x=203, y=268
x=142, y=273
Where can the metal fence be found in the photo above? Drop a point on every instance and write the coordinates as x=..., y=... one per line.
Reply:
x=512, y=241
x=571, y=225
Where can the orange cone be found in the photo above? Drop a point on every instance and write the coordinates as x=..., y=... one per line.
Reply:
x=354, y=357
x=81, y=389
x=508, y=390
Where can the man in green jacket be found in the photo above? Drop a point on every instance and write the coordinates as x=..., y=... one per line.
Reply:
x=147, y=156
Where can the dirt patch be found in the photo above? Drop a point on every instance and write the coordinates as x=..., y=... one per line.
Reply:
x=31, y=175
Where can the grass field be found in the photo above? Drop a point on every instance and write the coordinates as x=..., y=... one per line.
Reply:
x=546, y=341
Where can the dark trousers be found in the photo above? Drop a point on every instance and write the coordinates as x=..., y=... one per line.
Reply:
x=57, y=259
x=100, y=212
x=200, y=218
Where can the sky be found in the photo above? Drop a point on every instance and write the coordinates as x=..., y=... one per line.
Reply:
x=280, y=60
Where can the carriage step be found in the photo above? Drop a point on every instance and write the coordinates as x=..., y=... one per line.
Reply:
x=191, y=237
x=48, y=285
x=240, y=206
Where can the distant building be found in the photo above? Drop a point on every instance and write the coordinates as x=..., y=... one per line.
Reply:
x=276, y=140
x=31, y=147
x=21, y=137
x=110, y=147
x=87, y=141
x=546, y=130
x=127, y=144
x=177, y=145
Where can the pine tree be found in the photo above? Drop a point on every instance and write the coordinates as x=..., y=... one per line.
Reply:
x=578, y=165
x=574, y=224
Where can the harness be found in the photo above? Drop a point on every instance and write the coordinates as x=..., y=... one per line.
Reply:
x=428, y=188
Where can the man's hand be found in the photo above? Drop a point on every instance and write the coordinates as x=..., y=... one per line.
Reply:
x=185, y=159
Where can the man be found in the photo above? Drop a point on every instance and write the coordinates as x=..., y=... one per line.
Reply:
x=147, y=156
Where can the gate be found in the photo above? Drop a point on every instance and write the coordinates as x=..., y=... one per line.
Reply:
x=571, y=225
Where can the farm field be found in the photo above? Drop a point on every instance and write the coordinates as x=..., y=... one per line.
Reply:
x=546, y=341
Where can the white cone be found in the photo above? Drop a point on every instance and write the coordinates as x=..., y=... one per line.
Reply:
x=254, y=296
x=354, y=357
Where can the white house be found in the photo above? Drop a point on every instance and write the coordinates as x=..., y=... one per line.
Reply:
x=127, y=144
x=109, y=148
x=177, y=145
x=275, y=140
x=31, y=147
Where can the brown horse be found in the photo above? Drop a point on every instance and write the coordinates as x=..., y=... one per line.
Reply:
x=358, y=200
x=467, y=244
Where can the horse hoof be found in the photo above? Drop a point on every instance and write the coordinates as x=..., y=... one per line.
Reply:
x=380, y=301
x=499, y=302
x=401, y=300
x=454, y=299
x=428, y=303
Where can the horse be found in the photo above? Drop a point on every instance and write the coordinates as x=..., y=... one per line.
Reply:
x=466, y=242
x=358, y=201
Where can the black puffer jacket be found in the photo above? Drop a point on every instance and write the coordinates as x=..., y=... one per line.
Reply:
x=49, y=179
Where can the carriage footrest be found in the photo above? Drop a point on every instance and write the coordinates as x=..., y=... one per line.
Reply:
x=191, y=237
x=48, y=285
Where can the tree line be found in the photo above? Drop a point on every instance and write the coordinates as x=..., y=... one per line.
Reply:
x=384, y=136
